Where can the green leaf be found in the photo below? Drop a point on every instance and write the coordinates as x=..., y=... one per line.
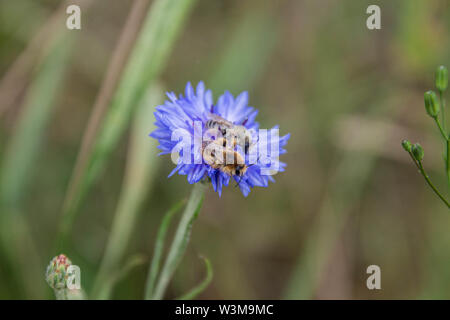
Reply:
x=180, y=240
x=202, y=285
x=159, y=247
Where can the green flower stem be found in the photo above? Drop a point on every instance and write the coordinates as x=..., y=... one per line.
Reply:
x=67, y=294
x=427, y=179
x=447, y=145
x=180, y=240
x=61, y=294
x=447, y=142
x=159, y=248
x=447, y=163
x=444, y=135
x=441, y=98
x=422, y=171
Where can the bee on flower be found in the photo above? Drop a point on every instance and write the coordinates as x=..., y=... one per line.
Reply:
x=219, y=141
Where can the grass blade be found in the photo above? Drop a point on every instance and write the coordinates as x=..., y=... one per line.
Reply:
x=26, y=140
x=141, y=165
x=202, y=285
x=245, y=54
x=344, y=190
x=159, y=247
x=118, y=275
x=333, y=215
x=15, y=78
x=180, y=240
x=115, y=67
x=19, y=159
x=146, y=61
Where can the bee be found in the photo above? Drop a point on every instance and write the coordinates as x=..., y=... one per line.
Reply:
x=236, y=134
x=217, y=122
x=218, y=156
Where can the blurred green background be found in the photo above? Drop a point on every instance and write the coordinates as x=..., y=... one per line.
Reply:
x=350, y=196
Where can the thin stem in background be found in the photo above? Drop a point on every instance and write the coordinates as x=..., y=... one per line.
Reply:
x=180, y=240
x=345, y=186
x=15, y=78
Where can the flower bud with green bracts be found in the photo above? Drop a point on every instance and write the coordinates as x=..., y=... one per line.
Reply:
x=406, y=144
x=441, y=78
x=431, y=104
x=417, y=152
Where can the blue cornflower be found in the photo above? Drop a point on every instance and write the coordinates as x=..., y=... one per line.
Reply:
x=197, y=107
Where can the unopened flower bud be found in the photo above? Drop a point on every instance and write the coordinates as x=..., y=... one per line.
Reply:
x=406, y=145
x=441, y=78
x=431, y=104
x=56, y=274
x=417, y=152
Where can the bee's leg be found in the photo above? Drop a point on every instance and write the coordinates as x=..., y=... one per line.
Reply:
x=238, y=182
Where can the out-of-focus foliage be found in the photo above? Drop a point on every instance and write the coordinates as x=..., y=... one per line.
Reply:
x=350, y=197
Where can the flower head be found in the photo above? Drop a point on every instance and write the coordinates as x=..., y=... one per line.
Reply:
x=57, y=272
x=195, y=114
